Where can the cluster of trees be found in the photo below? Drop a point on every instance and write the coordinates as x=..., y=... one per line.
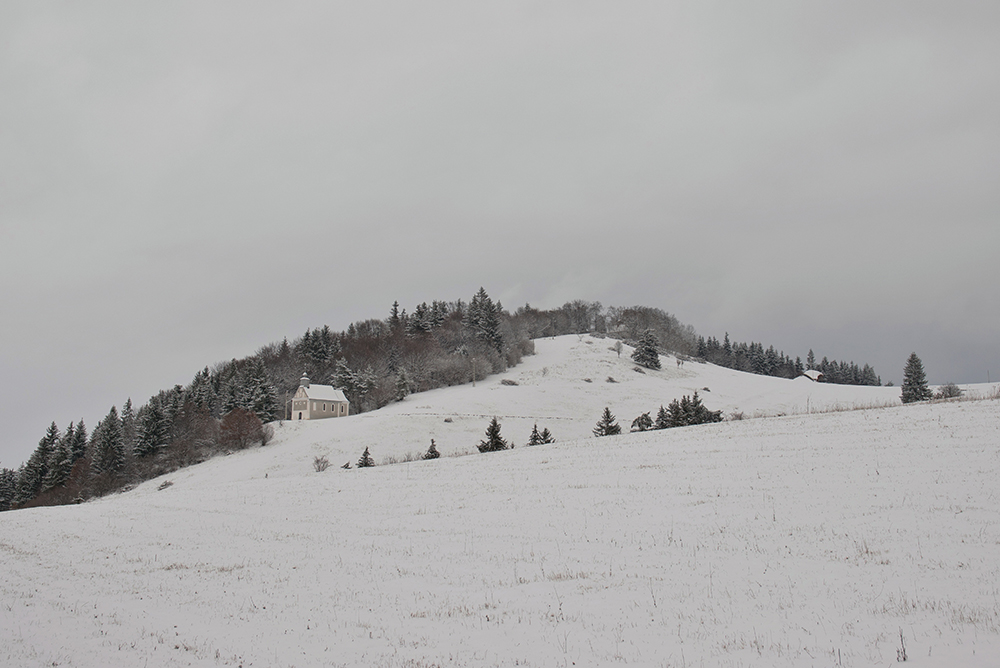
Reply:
x=494, y=442
x=754, y=358
x=679, y=413
x=628, y=323
x=227, y=406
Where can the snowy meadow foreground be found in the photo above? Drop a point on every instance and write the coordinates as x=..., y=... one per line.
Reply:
x=832, y=539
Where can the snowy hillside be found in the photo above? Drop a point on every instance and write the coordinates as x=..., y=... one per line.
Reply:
x=804, y=540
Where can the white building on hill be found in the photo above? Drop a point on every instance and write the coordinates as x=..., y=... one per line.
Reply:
x=315, y=402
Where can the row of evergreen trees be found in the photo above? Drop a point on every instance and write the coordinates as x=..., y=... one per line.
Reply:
x=754, y=358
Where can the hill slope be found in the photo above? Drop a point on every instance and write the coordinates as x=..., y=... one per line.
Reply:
x=796, y=541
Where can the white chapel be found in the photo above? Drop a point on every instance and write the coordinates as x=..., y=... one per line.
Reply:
x=315, y=402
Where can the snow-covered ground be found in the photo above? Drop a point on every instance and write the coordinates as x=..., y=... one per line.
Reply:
x=809, y=539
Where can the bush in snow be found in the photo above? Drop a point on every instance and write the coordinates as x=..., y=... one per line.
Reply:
x=948, y=391
x=321, y=464
x=642, y=423
x=240, y=429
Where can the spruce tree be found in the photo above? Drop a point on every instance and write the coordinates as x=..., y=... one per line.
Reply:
x=493, y=442
x=432, y=452
x=547, y=436
x=914, y=381
x=662, y=419
x=366, y=460
x=152, y=431
x=109, y=450
x=128, y=427
x=8, y=488
x=646, y=353
x=535, y=438
x=607, y=426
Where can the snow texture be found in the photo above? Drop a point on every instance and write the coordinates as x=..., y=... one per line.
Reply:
x=805, y=540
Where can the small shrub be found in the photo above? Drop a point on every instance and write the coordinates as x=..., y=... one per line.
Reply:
x=611, y=379
x=162, y=486
x=638, y=369
x=448, y=420
x=346, y=466
x=948, y=391
x=508, y=381
x=321, y=464
x=642, y=423
x=737, y=415
x=587, y=380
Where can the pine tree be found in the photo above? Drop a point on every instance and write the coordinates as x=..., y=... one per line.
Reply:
x=547, y=436
x=128, y=427
x=642, y=423
x=607, y=426
x=535, y=438
x=8, y=488
x=60, y=461
x=78, y=448
x=646, y=353
x=662, y=419
x=493, y=442
x=366, y=460
x=402, y=385
x=152, y=432
x=914, y=381
x=259, y=395
x=109, y=450
x=432, y=452
x=31, y=478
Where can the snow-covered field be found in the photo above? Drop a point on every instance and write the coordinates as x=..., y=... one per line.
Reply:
x=805, y=539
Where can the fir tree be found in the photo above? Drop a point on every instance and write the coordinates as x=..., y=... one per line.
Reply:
x=535, y=438
x=432, y=452
x=493, y=442
x=366, y=460
x=109, y=451
x=607, y=426
x=646, y=351
x=662, y=419
x=547, y=436
x=8, y=488
x=642, y=423
x=60, y=461
x=914, y=381
x=78, y=448
x=128, y=427
x=152, y=433
x=402, y=385
x=31, y=478
x=259, y=396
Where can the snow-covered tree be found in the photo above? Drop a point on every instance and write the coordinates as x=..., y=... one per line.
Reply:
x=535, y=438
x=607, y=426
x=914, y=381
x=366, y=460
x=432, y=452
x=153, y=431
x=646, y=351
x=493, y=441
x=642, y=423
x=107, y=444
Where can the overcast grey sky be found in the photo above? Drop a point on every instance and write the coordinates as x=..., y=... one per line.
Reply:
x=181, y=183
